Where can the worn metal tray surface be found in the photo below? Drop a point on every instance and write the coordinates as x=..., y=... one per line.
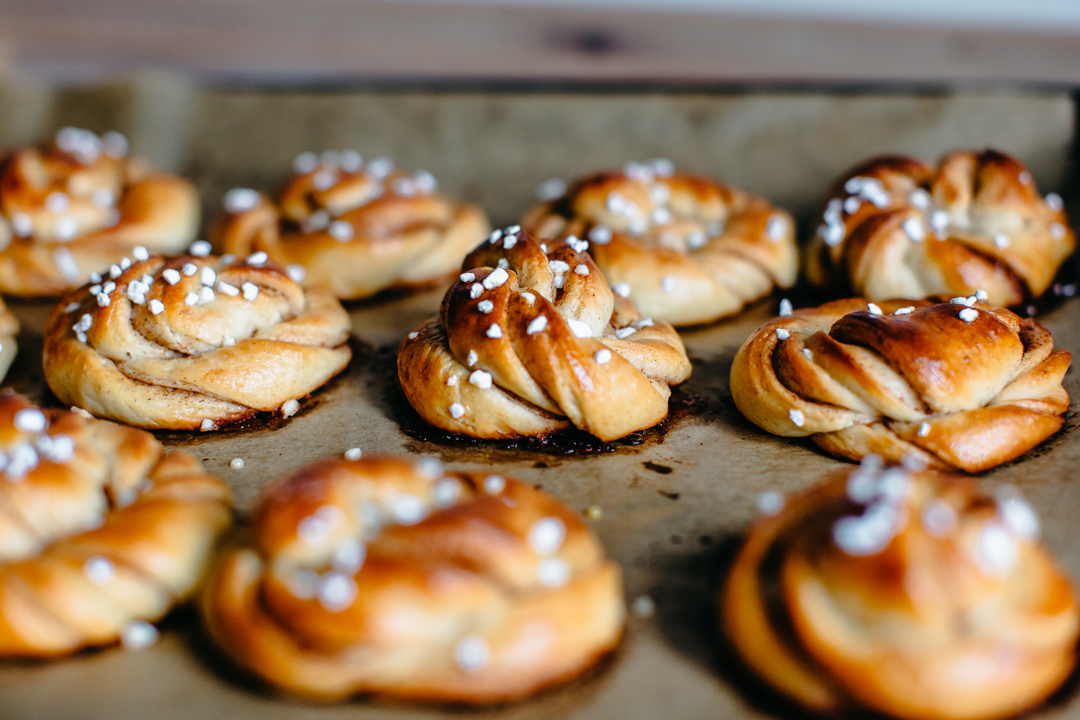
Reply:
x=672, y=505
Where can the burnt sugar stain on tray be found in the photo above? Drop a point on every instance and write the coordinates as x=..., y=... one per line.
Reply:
x=426, y=439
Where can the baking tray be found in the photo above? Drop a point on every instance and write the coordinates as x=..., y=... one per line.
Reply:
x=673, y=500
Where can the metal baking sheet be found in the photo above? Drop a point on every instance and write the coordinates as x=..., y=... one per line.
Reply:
x=673, y=506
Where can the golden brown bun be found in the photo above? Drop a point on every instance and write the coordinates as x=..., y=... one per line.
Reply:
x=193, y=342
x=921, y=600
x=896, y=227
x=74, y=209
x=687, y=249
x=388, y=576
x=958, y=394
x=354, y=230
x=530, y=340
x=99, y=530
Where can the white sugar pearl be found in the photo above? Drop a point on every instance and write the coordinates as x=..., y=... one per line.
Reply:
x=139, y=635
x=547, y=535
x=290, y=407
x=407, y=509
x=785, y=308
x=969, y=315
x=485, y=306
x=667, y=283
x=537, y=325
x=550, y=189
x=99, y=570
x=207, y=425
x=495, y=279
x=770, y=502
x=296, y=273
x=494, y=331
x=622, y=289
x=337, y=591
x=341, y=231
x=552, y=572
x=171, y=276
x=208, y=276
x=189, y=299
x=471, y=653
x=240, y=200
x=457, y=410
x=924, y=429
x=257, y=259
x=776, y=228
x=494, y=484
x=797, y=417
x=602, y=356
x=1001, y=240
x=237, y=463
x=782, y=334
x=140, y=253
x=226, y=288
x=354, y=453
x=914, y=229
x=472, y=358
x=199, y=248
x=480, y=379
x=250, y=290
x=578, y=328
x=30, y=420
x=873, y=309
x=996, y=552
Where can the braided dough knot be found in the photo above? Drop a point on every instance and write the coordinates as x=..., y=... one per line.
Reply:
x=99, y=530
x=905, y=593
x=383, y=575
x=531, y=339
x=190, y=342
x=686, y=249
x=961, y=384
x=896, y=227
x=79, y=206
x=354, y=230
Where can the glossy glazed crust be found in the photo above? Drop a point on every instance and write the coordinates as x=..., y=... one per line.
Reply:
x=919, y=630
x=394, y=240
x=696, y=250
x=994, y=231
x=154, y=518
x=153, y=209
x=557, y=346
x=968, y=395
x=456, y=565
x=249, y=341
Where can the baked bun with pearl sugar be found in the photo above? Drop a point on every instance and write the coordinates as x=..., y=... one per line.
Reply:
x=961, y=384
x=82, y=204
x=897, y=227
x=684, y=248
x=100, y=532
x=531, y=340
x=389, y=576
x=354, y=228
x=193, y=343
x=906, y=593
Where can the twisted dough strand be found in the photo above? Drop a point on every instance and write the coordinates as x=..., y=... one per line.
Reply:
x=98, y=529
x=896, y=227
x=81, y=205
x=190, y=342
x=686, y=249
x=962, y=384
x=354, y=230
x=905, y=593
x=531, y=339
x=382, y=575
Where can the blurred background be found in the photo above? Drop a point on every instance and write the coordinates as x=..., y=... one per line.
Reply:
x=495, y=96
